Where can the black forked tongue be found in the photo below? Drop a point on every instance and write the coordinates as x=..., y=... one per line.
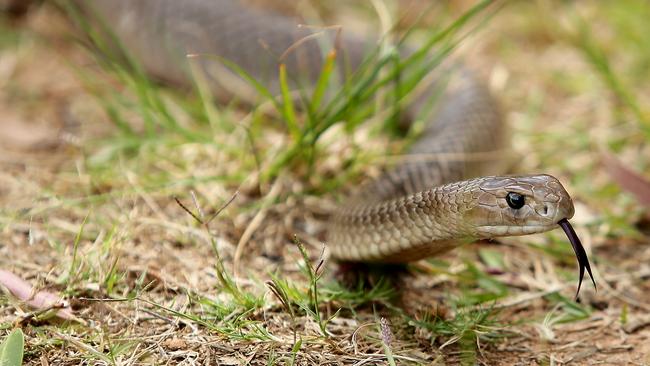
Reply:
x=581, y=255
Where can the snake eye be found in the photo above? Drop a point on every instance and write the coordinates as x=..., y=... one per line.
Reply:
x=515, y=200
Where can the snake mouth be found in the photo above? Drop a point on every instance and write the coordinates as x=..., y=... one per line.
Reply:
x=581, y=254
x=514, y=230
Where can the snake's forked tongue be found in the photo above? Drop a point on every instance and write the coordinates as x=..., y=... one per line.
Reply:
x=581, y=255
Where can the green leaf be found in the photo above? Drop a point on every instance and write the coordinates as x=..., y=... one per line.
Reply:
x=11, y=350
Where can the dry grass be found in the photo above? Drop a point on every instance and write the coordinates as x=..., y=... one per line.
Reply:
x=88, y=211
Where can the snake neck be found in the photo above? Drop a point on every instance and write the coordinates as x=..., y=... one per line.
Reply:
x=400, y=230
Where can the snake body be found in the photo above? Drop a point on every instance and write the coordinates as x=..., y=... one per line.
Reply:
x=418, y=209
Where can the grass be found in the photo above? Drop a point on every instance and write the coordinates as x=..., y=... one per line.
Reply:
x=354, y=102
x=158, y=282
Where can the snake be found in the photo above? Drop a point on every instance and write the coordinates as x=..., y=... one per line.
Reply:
x=419, y=208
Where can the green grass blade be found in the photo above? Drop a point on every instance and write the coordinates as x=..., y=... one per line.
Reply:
x=239, y=71
x=323, y=80
x=455, y=26
x=109, y=52
x=205, y=95
x=11, y=349
x=294, y=351
x=288, y=109
x=75, y=250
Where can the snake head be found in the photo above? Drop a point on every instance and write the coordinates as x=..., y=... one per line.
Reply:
x=521, y=205
x=518, y=205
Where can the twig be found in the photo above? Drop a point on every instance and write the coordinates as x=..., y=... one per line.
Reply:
x=254, y=224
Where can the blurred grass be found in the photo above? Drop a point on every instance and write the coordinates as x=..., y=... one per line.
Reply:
x=617, y=55
x=595, y=52
x=607, y=38
x=353, y=103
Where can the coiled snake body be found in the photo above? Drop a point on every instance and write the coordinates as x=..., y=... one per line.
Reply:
x=417, y=209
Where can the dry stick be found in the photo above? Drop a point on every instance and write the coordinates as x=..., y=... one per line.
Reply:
x=178, y=201
x=295, y=45
x=223, y=207
x=321, y=31
x=355, y=334
x=254, y=224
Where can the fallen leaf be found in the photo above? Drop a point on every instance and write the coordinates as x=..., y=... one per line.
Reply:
x=629, y=180
x=636, y=323
x=40, y=300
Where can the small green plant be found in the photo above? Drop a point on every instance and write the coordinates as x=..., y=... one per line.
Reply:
x=468, y=329
x=11, y=349
x=244, y=299
x=314, y=275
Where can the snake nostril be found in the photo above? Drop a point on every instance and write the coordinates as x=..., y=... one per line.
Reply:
x=545, y=210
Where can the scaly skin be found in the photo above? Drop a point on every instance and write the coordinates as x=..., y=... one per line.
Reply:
x=438, y=219
x=410, y=212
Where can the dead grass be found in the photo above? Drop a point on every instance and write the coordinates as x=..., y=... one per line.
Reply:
x=145, y=278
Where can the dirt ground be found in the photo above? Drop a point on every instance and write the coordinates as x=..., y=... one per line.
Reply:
x=92, y=234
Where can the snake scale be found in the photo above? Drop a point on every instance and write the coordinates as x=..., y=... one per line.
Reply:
x=417, y=209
